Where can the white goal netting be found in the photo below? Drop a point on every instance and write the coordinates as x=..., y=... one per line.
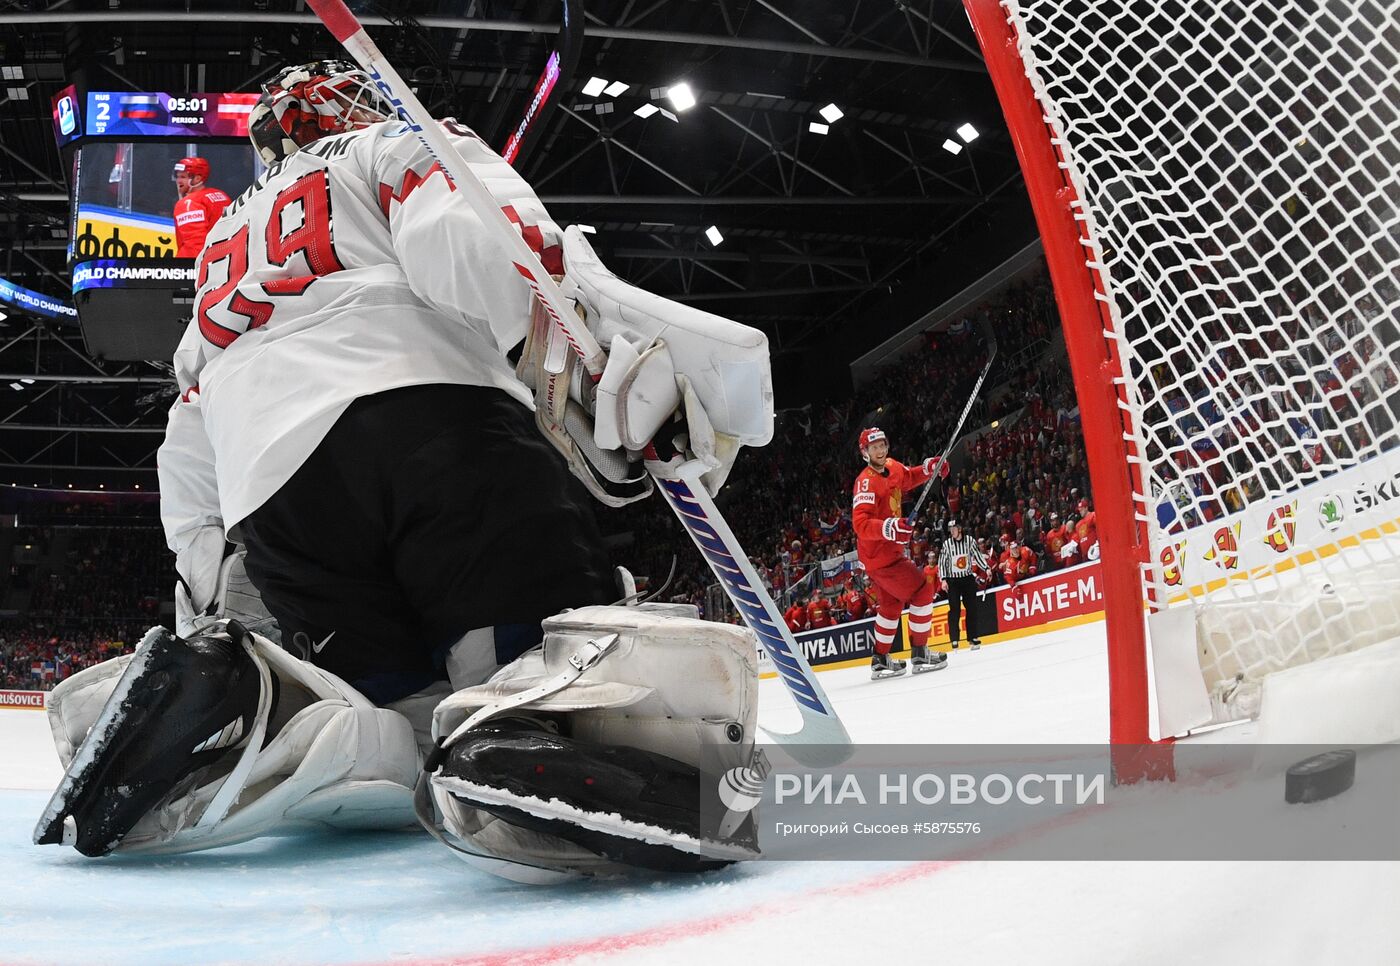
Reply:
x=1239, y=169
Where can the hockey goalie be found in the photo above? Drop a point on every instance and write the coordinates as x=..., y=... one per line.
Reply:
x=393, y=599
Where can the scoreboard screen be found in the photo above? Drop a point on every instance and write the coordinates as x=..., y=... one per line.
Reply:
x=124, y=193
x=132, y=295
x=162, y=114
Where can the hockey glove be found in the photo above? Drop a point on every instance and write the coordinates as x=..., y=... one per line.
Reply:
x=896, y=530
x=1069, y=550
x=934, y=466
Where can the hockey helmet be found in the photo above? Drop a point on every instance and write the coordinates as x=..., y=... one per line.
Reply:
x=194, y=167
x=868, y=436
x=305, y=103
x=954, y=525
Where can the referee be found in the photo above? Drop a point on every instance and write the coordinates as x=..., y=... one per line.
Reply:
x=959, y=558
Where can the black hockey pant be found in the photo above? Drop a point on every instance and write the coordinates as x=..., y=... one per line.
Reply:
x=426, y=512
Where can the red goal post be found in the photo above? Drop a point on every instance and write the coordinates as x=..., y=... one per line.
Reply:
x=1216, y=188
x=1097, y=371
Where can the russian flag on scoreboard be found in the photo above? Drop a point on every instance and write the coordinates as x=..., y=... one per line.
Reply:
x=139, y=107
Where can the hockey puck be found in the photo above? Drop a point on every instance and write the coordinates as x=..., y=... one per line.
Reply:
x=1320, y=777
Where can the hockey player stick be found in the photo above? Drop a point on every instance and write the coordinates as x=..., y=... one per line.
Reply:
x=989, y=337
x=821, y=726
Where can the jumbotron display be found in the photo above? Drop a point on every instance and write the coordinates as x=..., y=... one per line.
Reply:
x=151, y=114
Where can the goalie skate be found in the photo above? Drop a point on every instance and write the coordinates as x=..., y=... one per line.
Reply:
x=632, y=806
x=178, y=707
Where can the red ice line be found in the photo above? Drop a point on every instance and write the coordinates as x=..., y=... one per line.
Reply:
x=660, y=935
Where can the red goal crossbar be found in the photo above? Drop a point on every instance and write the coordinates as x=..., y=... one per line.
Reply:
x=1100, y=387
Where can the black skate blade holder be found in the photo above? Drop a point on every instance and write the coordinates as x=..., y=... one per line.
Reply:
x=580, y=661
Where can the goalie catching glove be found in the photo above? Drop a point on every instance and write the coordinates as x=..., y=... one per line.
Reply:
x=664, y=358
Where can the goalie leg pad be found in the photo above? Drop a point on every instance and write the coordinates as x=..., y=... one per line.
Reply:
x=629, y=690
x=320, y=755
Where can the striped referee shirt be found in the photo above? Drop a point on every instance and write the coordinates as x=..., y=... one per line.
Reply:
x=959, y=556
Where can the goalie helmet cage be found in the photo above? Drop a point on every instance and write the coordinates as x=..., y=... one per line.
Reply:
x=1216, y=190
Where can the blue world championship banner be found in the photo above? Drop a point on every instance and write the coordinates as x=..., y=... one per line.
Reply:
x=36, y=302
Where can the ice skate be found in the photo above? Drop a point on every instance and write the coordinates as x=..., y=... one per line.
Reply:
x=974, y=644
x=883, y=666
x=922, y=660
x=632, y=806
x=179, y=706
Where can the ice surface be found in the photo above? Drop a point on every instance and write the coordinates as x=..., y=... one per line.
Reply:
x=401, y=898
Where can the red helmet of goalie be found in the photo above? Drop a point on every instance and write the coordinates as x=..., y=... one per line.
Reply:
x=305, y=103
x=871, y=435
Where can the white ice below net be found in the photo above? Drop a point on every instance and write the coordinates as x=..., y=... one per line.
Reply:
x=1293, y=620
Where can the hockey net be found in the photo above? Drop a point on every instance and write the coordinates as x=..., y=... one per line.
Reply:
x=1220, y=185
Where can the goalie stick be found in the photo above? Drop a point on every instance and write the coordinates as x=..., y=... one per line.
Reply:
x=990, y=339
x=822, y=739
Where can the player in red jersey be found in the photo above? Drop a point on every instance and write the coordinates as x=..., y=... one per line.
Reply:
x=198, y=208
x=819, y=612
x=1017, y=564
x=881, y=536
x=1086, y=532
x=796, y=617
x=931, y=572
x=1054, y=542
x=854, y=602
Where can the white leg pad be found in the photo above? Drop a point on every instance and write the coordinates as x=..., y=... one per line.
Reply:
x=672, y=685
x=335, y=760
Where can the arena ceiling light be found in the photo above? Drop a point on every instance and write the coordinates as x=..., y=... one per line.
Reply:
x=712, y=233
x=968, y=133
x=831, y=113
x=602, y=86
x=817, y=127
x=646, y=110
x=952, y=147
x=681, y=96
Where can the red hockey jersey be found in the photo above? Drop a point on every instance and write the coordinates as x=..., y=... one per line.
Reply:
x=877, y=497
x=1086, y=533
x=195, y=214
x=1017, y=566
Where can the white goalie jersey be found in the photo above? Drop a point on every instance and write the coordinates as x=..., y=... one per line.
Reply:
x=350, y=268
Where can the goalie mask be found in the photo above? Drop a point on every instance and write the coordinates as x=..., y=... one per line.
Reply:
x=306, y=103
